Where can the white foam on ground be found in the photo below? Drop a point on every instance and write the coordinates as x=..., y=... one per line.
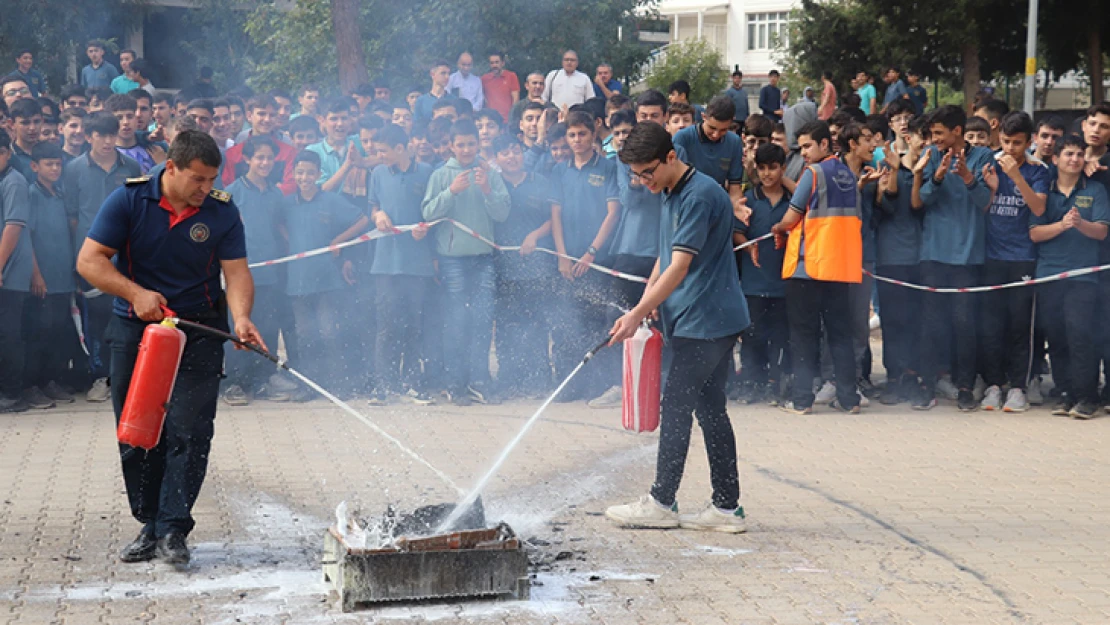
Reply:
x=700, y=550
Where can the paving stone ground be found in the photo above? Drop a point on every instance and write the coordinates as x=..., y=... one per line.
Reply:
x=892, y=516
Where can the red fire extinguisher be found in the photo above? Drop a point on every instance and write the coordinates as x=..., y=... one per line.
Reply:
x=152, y=382
x=643, y=365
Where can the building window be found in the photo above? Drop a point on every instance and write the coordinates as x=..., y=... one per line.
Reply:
x=767, y=30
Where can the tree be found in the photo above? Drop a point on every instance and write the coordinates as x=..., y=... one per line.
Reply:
x=1069, y=44
x=401, y=39
x=348, y=44
x=954, y=40
x=697, y=62
x=56, y=31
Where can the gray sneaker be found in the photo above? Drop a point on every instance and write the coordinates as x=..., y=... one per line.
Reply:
x=826, y=394
x=1015, y=401
x=54, y=391
x=36, y=399
x=946, y=389
x=100, y=391
x=1033, y=392
x=992, y=399
x=611, y=398
x=234, y=396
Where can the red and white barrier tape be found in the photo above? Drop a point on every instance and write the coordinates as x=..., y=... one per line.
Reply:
x=1063, y=275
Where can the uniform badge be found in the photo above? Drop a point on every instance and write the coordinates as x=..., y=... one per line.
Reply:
x=1084, y=202
x=199, y=233
x=596, y=180
x=220, y=196
x=134, y=181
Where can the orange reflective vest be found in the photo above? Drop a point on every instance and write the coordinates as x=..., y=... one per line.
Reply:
x=827, y=245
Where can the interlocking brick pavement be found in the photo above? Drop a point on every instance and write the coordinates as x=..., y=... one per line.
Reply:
x=892, y=516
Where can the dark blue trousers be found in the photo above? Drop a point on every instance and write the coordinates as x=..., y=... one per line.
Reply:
x=163, y=483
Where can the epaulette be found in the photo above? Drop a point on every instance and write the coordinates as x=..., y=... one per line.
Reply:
x=139, y=180
x=220, y=196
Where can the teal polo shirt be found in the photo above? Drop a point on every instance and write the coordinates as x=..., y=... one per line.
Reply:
x=765, y=280
x=584, y=194
x=400, y=195
x=1071, y=249
x=51, y=241
x=261, y=213
x=722, y=160
x=87, y=186
x=708, y=303
x=313, y=224
x=15, y=209
x=638, y=231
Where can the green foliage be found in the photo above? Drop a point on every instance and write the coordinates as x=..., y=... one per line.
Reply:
x=224, y=45
x=697, y=62
x=846, y=36
x=57, y=30
x=401, y=39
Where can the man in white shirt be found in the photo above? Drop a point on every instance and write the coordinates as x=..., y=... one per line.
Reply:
x=570, y=86
x=464, y=84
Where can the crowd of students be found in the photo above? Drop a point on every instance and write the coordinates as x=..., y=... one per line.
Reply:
x=944, y=200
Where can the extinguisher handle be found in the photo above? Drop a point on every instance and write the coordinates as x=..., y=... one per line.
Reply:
x=166, y=312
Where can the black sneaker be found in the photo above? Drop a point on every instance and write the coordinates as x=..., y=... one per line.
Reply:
x=459, y=398
x=1063, y=406
x=13, y=405
x=140, y=550
x=965, y=401
x=924, y=399
x=892, y=393
x=907, y=386
x=172, y=549
x=754, y=393
x=1084, y=410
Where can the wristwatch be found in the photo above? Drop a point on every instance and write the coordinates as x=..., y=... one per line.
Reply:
x=592, y=251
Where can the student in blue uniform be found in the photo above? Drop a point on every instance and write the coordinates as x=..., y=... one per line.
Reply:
x=1019, y=189
x=402, y=268
x=952, y=253
x=259, y=202
x=898, y=249
x=17, y=263
x=713, y=149
x=636, y=241
x=47, y=323
x=1068, y=236
x=524, y=285
x=696, y=290
x=764, y=352
x=318, y=285
x=585, y=214
x=88, y=180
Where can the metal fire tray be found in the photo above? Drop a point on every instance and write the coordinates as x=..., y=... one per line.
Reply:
x=475, y=563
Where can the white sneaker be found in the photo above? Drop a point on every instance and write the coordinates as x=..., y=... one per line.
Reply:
x=281, y=383
x=100, y=391
x=992, y=398
x=713, y=519
x=826, y=394
x=645, y=513
x=611, y=398
x=875, y=323
x=946, y=389
x=979, y=391
x=1015, y=401
x=1033, y=392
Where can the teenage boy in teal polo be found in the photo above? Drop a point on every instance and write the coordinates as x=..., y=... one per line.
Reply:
x=696, y=290
x=402, y=269
x=583, y=218
x=1068, y=236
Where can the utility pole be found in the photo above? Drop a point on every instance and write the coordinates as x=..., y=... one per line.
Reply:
x=1031, y=59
